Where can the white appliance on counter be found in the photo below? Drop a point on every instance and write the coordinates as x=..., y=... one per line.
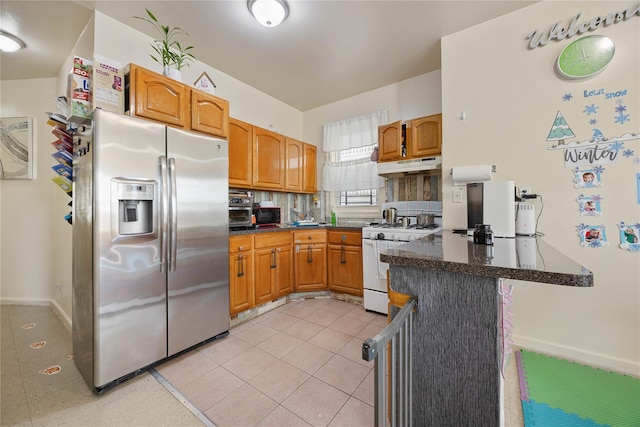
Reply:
x=376, y=239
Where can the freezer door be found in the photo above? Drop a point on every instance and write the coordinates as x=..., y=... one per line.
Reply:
x=198, y=277
x=129, y=286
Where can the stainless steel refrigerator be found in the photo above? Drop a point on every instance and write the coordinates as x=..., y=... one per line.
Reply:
x=150, y=245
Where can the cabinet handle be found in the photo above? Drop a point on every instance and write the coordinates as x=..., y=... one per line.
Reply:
x=310, y=253
x=240, y=266
x=240, y=248
x=273, y=258
x=344, y=238
x=310, y=237
x=343, y=256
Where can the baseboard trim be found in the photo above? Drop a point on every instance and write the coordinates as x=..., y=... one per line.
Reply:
x=598, y=360
x=53, y=305
x=25, y=301
x=64, y=318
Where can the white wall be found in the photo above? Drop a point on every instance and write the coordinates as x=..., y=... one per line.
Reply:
x=26, y=209
x=408, y=99
x=511, y=95
x=127, y=45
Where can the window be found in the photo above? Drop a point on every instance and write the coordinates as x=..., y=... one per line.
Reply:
x=349, y=171
x=359, y=198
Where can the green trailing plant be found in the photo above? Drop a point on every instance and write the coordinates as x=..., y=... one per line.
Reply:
x=169, y=51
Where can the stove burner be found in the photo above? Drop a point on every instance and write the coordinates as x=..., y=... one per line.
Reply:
x=424, y=227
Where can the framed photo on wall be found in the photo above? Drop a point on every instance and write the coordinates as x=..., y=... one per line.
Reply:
x=16, y=148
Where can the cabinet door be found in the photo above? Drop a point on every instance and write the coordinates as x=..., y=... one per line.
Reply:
x=390, y=142
x=240, y=282
x=310, y=264
x=425, y=136
x=209, y=114
x=294, y=156
x=265, y=275
x=240, y=154
x=268, y=159
x=309, y=176
x=345, y=269
x=284, y=270
x=156, y=97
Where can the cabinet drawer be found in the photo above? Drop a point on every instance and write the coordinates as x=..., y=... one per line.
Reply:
x=310, y=236
x=351, y=238
x=240, y=243
x=269, y=240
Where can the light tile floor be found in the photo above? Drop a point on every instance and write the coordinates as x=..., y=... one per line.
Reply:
x=297, y=365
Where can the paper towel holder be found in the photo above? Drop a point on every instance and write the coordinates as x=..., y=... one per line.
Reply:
x=493, y=170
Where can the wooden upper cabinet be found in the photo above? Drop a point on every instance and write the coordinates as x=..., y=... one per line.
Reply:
x=156, y=97
x=294, y=157
x=424, y=136
x=309, y=176
x=268, y=159
x=240, y=154
x=209, y=114
x=390, y=141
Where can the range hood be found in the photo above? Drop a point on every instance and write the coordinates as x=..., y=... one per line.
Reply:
x=425, y=165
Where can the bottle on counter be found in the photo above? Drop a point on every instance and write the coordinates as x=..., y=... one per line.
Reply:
x=334, y=220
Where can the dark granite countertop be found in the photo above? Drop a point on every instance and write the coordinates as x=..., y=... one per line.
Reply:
x=521, y=258
x=285, y=227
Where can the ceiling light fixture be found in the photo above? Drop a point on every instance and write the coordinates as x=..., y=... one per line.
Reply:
x=9, y=42
x=269, y=13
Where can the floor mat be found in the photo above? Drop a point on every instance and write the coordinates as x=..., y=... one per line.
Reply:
x=557, y=392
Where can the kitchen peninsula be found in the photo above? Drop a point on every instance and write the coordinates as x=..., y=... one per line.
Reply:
x=457, y=325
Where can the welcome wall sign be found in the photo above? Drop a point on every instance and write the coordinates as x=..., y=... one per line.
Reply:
x=558, y=31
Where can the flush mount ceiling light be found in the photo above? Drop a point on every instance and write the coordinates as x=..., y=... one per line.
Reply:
x=269, y=13
x=9, y=42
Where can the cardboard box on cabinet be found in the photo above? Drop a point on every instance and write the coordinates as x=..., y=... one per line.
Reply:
x=79, y=90
x=108, y=84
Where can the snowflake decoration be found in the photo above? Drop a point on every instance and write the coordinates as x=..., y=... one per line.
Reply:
x=620, y=101
x=620, y=109
x=596, y=169
x=596, y=198
x=567, y=97
x=590, y=109
x=636, y=160
x=628, y=153
x=582, y=227
x=621, y=118
x=593, y=122
x=615, y=146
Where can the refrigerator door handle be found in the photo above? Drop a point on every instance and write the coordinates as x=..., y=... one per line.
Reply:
x=164, y=214
x=173, y=227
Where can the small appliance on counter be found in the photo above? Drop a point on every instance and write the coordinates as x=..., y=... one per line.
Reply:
x=266, y=216
x=492, y=202
x=240, y=210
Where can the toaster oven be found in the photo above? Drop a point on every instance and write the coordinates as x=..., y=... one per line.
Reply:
x=240, y=203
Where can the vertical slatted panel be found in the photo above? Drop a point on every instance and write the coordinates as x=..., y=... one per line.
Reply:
x=399, y=336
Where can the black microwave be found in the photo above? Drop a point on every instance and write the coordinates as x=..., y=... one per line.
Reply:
x=267, y=216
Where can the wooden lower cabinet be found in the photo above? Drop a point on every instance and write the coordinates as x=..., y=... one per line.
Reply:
x=310, y=260
x=345, y=262
x=241, y=277
x=266, y=266
x=273, y=266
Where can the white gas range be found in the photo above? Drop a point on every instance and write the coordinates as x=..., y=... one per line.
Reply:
x=375, y=239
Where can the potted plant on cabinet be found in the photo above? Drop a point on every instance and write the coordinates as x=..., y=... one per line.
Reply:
x=170, y=52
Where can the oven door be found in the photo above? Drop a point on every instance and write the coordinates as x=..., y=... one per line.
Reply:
x=374, y=276
x=239, y=217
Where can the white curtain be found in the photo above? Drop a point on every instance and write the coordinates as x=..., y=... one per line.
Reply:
x=361, y=131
